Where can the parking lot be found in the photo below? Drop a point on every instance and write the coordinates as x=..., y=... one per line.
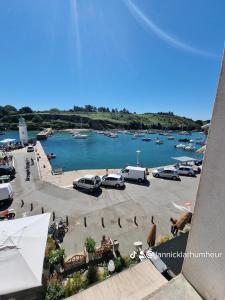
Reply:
x=142, y=201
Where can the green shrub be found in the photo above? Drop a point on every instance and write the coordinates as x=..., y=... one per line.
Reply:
x=90, y=245
x=92, y=275
x=119, y=264
x=54, y=291
x=73, y=285
x=56, y=256
x=128, y=261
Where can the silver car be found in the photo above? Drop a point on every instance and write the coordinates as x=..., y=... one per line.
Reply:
x=185, y=170
x=114, y=180
x=88, y=182
x=166, y=173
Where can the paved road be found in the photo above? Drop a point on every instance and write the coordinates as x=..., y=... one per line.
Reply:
x=135, y=200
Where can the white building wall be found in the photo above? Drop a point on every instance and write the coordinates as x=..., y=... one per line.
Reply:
x=207, y=275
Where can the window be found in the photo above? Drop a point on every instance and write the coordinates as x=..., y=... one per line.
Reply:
x=89, y=181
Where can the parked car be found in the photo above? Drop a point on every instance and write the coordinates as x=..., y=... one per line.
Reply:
x=30, y=149
x=185, y=170
x=134, y=173
x=114, y=180
x=87, y=182
x=4, y=179
x=6, y=193
x=198, y=162
x=6, y=170
x=166, y=173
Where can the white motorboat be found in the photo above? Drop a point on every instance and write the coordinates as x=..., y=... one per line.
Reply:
x=113, y=135
x=171, y=138
x=159, y=142
x=80, y=136
x=190, y=147
x=146, y=139
x=180, y=146
x=139, y=134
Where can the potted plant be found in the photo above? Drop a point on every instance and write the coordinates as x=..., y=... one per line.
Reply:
x=90, y=247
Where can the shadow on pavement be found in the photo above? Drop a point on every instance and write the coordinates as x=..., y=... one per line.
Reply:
x=95, y=193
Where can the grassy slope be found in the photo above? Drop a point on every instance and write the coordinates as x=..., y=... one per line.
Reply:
x=107, y=119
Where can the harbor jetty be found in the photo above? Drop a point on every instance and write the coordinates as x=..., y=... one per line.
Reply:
x=44, y=134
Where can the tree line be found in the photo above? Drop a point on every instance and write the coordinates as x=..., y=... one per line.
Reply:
x=12, y=110
x=91, y=108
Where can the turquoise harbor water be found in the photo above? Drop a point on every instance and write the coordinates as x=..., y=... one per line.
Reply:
x=100, y=152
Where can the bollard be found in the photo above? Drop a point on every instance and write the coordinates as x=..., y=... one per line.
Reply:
x=135, y=221
x=67, y=221
x=31, y=207
x=53, y=216
x=119, y=223
x=85, y=222
x=42, y=210
x=22, y=203
x=103, y=225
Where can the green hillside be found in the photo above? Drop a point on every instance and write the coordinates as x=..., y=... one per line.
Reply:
x=99, y=120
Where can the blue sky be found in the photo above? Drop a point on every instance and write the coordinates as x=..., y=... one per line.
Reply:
x=145, y=55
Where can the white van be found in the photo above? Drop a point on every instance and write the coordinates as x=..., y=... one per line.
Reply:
x=134, y=173
x=6, y=193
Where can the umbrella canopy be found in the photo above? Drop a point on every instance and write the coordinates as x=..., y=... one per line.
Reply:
x=22, y=248
x=152, y=236
x=201, y=150
x=184, y=159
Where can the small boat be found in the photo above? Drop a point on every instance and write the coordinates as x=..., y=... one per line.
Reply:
x=180, y=146
x=80, y=136
x=190, y=148
x=139, y=134
x=2, y=133
x=159, y=142
x=171, y=138
x=185, y=132
x=146, y=139
x=51, y=156
x=185, y=140
x=113, y=135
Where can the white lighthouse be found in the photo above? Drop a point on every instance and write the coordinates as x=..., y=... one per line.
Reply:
x=23, y=131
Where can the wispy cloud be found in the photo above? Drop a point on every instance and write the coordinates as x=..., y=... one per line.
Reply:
x=75, y=28
x=144, y=20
